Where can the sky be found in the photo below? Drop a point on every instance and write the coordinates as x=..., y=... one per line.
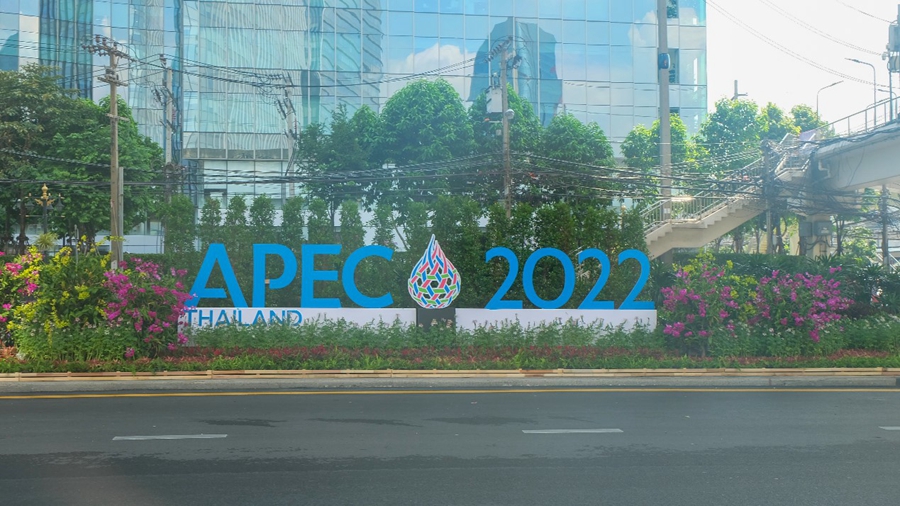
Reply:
x=768, y=74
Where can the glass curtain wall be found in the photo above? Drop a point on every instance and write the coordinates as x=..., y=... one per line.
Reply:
x=244, y=69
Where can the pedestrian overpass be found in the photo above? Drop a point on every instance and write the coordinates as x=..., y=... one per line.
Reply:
x=816, y=174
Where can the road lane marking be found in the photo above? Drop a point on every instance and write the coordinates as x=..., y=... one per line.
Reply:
x=573, y=431
x=890, y=428
x=444, y=392
x=174, y=436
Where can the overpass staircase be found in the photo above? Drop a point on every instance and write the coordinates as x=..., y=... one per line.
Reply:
x=736, y=198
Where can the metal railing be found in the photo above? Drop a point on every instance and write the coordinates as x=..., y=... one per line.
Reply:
x=740, y=184
x=870, y=118
x=732, y=187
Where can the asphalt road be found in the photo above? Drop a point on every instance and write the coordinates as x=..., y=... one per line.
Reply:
x=472, y=448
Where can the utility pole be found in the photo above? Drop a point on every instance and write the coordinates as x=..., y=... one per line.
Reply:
x=665, y=128
x=736, y=94
x=506, y=115
x=507, y=162
x=292, y=135
x=885, y=249
x=170, y=109
x=286, y=108
x=106, y=47
x=771, y=163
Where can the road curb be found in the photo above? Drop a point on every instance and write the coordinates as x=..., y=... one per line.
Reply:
x=219, y=381
x=880, y=372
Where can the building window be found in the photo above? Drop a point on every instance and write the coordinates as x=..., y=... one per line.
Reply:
x=673, y=66
x=671, y=9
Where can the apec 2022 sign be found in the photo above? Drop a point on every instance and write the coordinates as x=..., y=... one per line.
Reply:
x=434, y=283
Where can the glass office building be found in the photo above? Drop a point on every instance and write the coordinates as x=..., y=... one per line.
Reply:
x=247, y=71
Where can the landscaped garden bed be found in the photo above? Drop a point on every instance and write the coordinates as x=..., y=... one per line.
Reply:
x=75, y=315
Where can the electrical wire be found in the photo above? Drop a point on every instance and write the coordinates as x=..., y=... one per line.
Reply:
x=784, y=49
x=816, y=30
x=864, y=13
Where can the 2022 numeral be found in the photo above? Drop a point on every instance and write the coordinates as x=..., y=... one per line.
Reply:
x=590, y=302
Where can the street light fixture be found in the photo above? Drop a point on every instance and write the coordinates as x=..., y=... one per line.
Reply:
x=820, y=91
x=874, y=78
x=46, y=202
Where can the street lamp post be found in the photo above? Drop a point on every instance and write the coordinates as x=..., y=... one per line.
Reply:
x=820, y=91
x=46, y=202
x=874, y=85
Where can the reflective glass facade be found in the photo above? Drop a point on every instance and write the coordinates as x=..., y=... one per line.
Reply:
x=245, y=68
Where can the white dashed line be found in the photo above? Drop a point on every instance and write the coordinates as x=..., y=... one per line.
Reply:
x=573, y=431
x=890, y=428
x=178, y=436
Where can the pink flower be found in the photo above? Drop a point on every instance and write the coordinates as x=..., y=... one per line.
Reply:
x=7, y=306
x=723, y=314
x=129, y=353
x=171, y=346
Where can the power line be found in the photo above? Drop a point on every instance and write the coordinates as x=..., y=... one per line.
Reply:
x=864, y=13
x=816, y=30
x=783, y=48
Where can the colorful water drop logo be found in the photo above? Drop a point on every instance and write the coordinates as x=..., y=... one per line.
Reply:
x=434, y=282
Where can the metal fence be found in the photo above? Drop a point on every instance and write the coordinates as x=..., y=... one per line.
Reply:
x=868, y=119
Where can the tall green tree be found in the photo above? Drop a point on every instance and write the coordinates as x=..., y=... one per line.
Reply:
x=426, y=122
x=211, y=223
x=330, y=156
x=641, y=151
x=179, y=216
x=775, y=124
x=730, y=135
x=321, y=231
x=567, y=147
x=262, y=219
x=806, y=118
x=37, y=115
x=524, y=137
x=236, y=231
x=292, y=223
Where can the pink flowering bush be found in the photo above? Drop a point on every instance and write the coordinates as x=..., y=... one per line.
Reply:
x=74, y=307
x=705, y=299
x=710, y=310
x=149, y=303
x=802, y=301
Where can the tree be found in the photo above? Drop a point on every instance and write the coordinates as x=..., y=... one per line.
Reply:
x=236, y=231
x=321, y=231
x=210, y=223
x=292, y=223
x=426, y=122
x=384, y=225
x=333, y=155
x=353, y=234
x=641, y=149
x=775, y=124
x=524, y=137
x=730, y=135
x=262, y=219
x=806, y=118
x=37, y=115
x=567, y=146
x=179, y=216
x=524, y=129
